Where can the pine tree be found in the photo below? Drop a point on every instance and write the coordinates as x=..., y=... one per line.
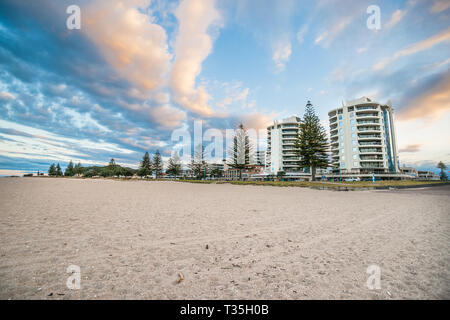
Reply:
x=198, y=164
x=174, y=166
x=58, y=170
x=312, y=143
x=443, y=174
x=69, y=170
x=157, y=164
x=78, y=169
x=145, y=168
x=241, y=150
x=52, y=170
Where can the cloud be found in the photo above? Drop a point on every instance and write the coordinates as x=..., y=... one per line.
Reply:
x=396, y=17
x=5, y=96
x=440, y=6
x=328, y=36
x=168, y=116
x=301, y=34
x=192, y=45
x=257, y=120
x=234, y=94
x=361, y=50
x=444, y=36
x=281, y=53
x=410, y=148
x=126, y=38
x=431, y=103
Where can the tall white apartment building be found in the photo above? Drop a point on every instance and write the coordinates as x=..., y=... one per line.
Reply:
x=281, y=153
x=261, y=157
x=362, y=138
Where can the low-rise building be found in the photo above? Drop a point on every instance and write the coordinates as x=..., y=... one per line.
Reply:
x=427, y=175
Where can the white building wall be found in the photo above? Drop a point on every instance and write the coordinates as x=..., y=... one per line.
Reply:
x=362, y=137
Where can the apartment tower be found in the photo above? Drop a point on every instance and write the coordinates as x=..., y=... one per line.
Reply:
x=363, y=139
x=281, y=153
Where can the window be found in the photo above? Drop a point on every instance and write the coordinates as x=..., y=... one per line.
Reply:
x=352, y=121
x=354, y=149
x=342, y=157
x=342, y=151
x=353, y=128
x=355, y=164
x=340, y=117
x=342, y=137
x=343, y=165
x=354, y=157
x=340, y=123
x=352, y=114
x=354, y=142
x=341, y=130
x=342, y=144
x=353, y=135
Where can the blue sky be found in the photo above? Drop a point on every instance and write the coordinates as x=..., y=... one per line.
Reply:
x=137, y=70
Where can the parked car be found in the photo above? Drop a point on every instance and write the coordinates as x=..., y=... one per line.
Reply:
x=352, y=179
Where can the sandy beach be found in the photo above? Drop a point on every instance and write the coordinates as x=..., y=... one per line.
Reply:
x=134, y=239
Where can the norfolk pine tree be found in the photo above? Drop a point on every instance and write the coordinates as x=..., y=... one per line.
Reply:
x=443, y=174
x=174, y=166
x=52, y=170
x=241, y=150
x=58, y=170
x=312, y=143
x=145, y=168
x=158, y=165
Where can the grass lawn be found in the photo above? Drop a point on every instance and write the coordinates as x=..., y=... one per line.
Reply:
x=320, y=184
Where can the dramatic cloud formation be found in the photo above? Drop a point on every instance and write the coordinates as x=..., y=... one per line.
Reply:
x=192, y=45
x=125, y=36
x=432, y=103
x=138, y=69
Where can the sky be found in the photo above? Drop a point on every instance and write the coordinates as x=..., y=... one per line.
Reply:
x=138, y=70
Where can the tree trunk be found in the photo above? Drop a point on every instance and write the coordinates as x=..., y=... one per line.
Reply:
x=313, y=173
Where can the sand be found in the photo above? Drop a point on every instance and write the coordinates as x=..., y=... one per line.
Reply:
x=132, y=239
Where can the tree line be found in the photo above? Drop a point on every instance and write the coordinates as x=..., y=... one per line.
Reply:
x=311, y=148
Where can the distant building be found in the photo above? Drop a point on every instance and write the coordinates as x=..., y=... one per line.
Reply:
x=410, y=171
x=261, y=157
x=427, y=175
x=234, y=174
x=281, y=154
x=363, y=142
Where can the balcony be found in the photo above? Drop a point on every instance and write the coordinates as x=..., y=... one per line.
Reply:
x=367, y=115
x=371, y=165
x=286, y=131
x=369, y=136
x=370, y=150
x=367, y=122
x=367, y=143
x=368, y=129
x=369, y=108
x=371, y=158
